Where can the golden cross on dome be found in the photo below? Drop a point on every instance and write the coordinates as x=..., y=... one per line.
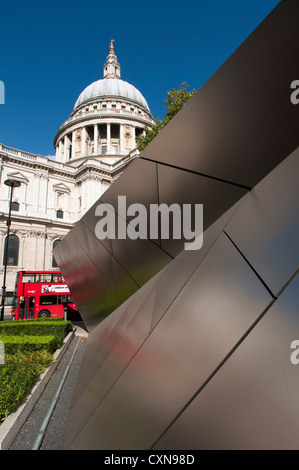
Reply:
x=111, y=46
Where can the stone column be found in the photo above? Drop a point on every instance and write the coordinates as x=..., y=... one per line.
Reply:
x=60, y=150
x=108, y=138
x=22, y=248
x=133, y=138
x=65, y=147
x=96, y=137
x=25, y=188
x=121, y=138
x=83, y=148
x=73, y=144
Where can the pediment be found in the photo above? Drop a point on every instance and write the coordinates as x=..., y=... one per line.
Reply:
x=61, y=187
x=16, y=175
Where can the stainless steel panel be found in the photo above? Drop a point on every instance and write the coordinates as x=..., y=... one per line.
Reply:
x=266, y=228
x=173, y=278
x=90, y=220
x=91, y=291
x=138, y=183
x=102, y=340
x=252, y=401
x=114, y=276
x=219, y=303
x=182, y=187
x=98, y=255
x=119, y=280
x=161, y=293
x=140, y=258
x=241, y=123
x=65, y=257
x=109, y=351
x=133, y=263
x=68, y=262
x=124, y=283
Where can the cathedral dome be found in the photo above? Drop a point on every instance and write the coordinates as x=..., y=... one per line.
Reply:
x=111, y=88
x=108, y=117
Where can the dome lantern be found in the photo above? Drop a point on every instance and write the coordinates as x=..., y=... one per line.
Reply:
x=111, y=67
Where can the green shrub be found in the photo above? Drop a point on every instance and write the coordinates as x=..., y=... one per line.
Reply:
x=29, y=346
x=28, y=343
x=17, y=375
x=40, y=327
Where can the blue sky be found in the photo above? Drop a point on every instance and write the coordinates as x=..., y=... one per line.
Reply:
x=49, y=52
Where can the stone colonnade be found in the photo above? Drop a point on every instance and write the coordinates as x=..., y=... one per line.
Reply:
x=98, y=139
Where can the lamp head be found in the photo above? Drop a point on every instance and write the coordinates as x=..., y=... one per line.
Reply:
x=12, y=183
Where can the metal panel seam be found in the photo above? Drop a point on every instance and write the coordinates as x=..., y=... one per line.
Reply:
x=224, y=360
x=198, y=173
x=251, y=267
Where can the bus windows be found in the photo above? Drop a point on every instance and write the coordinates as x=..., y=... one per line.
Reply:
x=55, y=277
x=30, y=307
x=29, y=277
x=15, y=301
x=48, y=300
x=48, y=277
x=65, y=299
x=22, y=307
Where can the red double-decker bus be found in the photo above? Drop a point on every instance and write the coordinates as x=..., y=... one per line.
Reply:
x=42, y=294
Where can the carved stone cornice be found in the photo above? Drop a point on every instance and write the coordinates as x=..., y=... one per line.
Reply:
x=36, y=234
x=50, y=169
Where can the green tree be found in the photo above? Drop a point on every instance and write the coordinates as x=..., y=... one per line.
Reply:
x=176, y=98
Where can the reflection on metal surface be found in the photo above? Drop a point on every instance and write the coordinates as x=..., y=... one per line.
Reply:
x=177, y=357
x=215, y=196
x=266, y=228
x=192, y=349
x=251, y=403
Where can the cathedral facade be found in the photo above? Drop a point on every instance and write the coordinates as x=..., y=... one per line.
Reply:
x=93, y=147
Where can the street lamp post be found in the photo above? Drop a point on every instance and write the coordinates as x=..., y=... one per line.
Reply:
x=12, y=184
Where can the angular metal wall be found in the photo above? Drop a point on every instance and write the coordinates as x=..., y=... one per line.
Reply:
x=191, y=349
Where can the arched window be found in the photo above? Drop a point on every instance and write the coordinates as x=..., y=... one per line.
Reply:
x=59, y=214
x=13, y=251
x=54, y=264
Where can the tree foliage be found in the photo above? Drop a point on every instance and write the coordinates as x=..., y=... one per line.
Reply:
x=176, y=98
